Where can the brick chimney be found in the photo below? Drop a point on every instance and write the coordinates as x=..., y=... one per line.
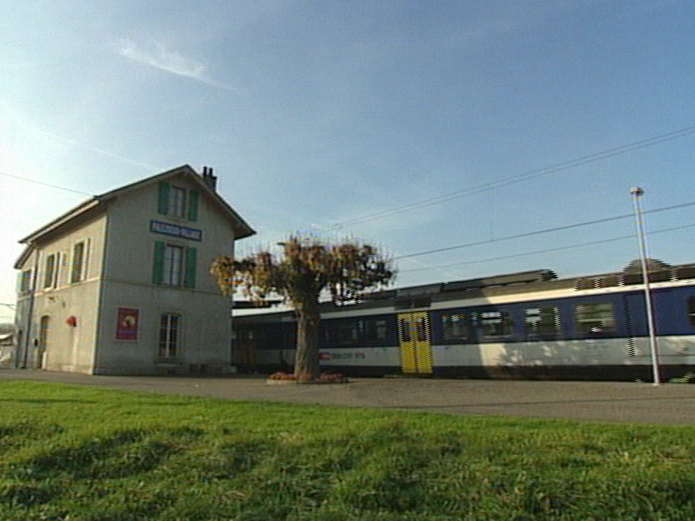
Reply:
x=209, y=178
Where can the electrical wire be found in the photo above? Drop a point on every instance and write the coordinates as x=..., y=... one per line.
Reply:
x=548, y=250
x=539, y=232
x=490, y=185
x=46, y=184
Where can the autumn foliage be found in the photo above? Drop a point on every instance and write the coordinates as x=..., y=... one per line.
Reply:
x=307, y=269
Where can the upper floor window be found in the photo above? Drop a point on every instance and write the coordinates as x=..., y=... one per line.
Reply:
x=177, y=201
x=595, y=318
x=25, y=281
x=174, y=265
x=542, y=321
x=80, y=254
x=495, y=324
x=50, y=279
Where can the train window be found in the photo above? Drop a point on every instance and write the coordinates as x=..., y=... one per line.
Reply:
x=495, y=324
x=404, y=330
x=691, y=311
x=595, y=318
x=455, y=326
x=421, y=329
x=542, y=321
x=374, y=329
x=347, y=332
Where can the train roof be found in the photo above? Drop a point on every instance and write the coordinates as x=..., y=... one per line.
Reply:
x=422, y=296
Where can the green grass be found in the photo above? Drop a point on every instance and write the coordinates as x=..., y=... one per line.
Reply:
x=77, y=453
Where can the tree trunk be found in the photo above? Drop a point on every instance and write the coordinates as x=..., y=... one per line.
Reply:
x=306, y=366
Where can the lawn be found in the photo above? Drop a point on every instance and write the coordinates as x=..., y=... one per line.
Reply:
x=78, y=453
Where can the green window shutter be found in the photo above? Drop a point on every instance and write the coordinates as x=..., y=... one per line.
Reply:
x=163, y=202
x=189, y=277
x=193, y=205
x=158, y=265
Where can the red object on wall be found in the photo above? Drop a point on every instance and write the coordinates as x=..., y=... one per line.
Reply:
x=72, y=321
x=127, y=325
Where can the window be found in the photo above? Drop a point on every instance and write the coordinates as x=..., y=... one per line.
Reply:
x=357, y=331
x=495, y=324
x=347, y=332
x=455, y=326
x=404, y=332
x=79, y=262
x=51, y=272
x=595, y=318
x=542, y=321
x=691, y=311
x=25, y=282
x=421, y=332
x=169, y=335
x=174, y=265
x=177, y=201
x=374, y=329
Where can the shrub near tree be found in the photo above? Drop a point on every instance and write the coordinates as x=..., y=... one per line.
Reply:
x=307, y=269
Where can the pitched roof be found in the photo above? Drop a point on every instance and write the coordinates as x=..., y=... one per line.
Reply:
x=241, y=228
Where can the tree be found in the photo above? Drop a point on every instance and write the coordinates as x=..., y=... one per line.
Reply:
x=635, y=266
x=306, y=270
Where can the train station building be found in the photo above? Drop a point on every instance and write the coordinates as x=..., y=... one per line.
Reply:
x=121, y=284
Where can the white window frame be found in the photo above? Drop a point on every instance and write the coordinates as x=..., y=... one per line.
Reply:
x=78, y=266
x=169, y=335
x=174, y=265
x=178, y=201
x=25, y=282
x=51, y=268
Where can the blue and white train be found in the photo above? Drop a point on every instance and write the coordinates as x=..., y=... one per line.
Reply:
x=522, y=325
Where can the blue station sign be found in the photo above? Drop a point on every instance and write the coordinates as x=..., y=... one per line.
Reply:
x=176, y=230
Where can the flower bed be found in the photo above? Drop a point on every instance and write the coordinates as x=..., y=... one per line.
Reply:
x=325, y=378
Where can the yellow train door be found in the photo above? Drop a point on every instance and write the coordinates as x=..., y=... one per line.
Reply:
x=414, y=342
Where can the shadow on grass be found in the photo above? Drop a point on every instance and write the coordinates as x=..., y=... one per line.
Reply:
x=116, y=455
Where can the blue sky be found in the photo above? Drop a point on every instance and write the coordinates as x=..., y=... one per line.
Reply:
x=319, y=112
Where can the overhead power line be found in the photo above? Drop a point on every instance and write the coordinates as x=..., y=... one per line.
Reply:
x=539, y=232
x=46, y=184
x=548, y=250
x=490, y=185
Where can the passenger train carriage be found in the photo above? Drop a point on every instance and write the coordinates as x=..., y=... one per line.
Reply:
x=522, y=325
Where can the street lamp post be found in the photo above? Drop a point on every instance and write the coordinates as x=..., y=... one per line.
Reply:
x=636, y=192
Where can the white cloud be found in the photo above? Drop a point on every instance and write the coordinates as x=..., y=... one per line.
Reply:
x=161, y=58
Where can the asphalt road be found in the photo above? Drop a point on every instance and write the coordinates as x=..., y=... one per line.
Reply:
x=621, y=402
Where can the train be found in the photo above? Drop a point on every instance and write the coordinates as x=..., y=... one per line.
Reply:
x=528, y=325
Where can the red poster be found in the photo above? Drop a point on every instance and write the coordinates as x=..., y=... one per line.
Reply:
x=127, y=327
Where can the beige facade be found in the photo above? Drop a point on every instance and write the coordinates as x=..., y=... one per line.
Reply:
x=121, y=284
